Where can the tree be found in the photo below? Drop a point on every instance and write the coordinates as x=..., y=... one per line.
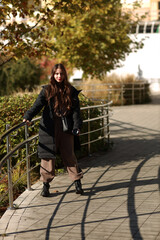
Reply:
x=21, y=74
x=92, y=35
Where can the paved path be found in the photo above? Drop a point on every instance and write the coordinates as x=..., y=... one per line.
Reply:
x=122, y=189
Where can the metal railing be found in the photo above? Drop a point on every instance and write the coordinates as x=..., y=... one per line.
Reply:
x=7, y=165
x=123, y=93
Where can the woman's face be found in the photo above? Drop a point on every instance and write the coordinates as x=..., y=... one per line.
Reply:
x=59, y=75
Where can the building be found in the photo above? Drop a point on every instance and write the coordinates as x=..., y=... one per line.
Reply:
x=144, y=64
x=151, y=7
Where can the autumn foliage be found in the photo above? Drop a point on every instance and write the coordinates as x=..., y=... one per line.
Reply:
x=91, y=35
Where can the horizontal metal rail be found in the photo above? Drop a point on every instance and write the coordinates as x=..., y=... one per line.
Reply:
x=82, y=134
x=15, y=128
x=94, y=119
x=18, y=146
x=92, y=141
x=27, y=144
x=132, y=92
x=97, y=106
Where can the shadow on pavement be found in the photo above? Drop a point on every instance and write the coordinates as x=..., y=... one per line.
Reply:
x=141, y=145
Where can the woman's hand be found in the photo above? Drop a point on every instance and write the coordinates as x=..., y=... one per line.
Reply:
x=26, y=121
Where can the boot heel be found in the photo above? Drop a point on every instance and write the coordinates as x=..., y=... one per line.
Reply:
x=45, y=191
x=78, y=187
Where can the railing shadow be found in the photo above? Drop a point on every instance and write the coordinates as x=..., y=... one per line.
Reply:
x=133, y=219
x=132, y=215
x=132, y=148
x=91, y=192
x=112, y=161
x=56, y=210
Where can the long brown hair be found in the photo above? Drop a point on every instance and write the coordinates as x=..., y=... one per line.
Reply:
x=61, y=92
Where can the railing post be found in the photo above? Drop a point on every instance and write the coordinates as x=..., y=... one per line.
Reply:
x=144, y=85
x=121, y=94
x=108, y=134
x=89, y=135
x=140, y=93
x=102, y=131
x=27, y=160
x=132, y=93
x=9, y=168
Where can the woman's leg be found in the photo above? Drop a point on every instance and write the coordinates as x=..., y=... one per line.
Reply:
x=47, y=172
x=65, y=144
x=70, y=161
x=68, y=156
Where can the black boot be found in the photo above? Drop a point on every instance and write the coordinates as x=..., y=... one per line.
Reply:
x=78, y=186
x=45, y=191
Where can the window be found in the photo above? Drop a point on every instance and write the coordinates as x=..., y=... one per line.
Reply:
x=148, y=28
x=156, y=28
x=141, y=29
x=158, y=10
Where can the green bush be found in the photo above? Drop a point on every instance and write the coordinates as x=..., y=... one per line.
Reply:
x=12, y=109
x=23, y=74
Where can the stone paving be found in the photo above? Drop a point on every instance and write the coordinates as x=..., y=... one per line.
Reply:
x=121, y=198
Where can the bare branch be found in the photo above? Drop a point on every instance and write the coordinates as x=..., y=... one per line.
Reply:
x=7, y=60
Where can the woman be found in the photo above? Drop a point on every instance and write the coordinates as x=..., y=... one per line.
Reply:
x=58, y=99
